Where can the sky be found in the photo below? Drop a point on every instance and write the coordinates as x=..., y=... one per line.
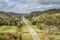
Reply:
x=23, y=6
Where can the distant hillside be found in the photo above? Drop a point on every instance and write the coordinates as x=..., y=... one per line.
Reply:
x=9, y=13
x=46, y=11
x=37, y=13
x=50, y=10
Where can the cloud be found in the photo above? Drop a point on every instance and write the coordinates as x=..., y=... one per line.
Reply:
x=28, y=5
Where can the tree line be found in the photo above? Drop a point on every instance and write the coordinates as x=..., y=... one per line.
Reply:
x=49, y=17
x=11, y=19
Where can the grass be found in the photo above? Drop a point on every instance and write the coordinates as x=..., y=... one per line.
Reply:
x=26, y=33
x=57, y=37
x=26, y=36
x=25, y=29
x=7, y=28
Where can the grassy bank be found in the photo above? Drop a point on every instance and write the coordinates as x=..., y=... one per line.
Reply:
x=26, y=33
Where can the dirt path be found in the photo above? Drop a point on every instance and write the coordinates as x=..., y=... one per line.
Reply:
x=33, y=33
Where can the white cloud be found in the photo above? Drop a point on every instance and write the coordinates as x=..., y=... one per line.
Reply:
x=7, y=0
x=28, y=5
x=4, y=0
x=1, y=5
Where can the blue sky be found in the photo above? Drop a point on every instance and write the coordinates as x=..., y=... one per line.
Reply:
x=23, y=6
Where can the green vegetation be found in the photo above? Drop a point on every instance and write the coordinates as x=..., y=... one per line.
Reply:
x=41, y=34
x=26, y=33
x=7, y=28
x=46, y=23
x=25, y=29
x=26, y=36
x=9, y=23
